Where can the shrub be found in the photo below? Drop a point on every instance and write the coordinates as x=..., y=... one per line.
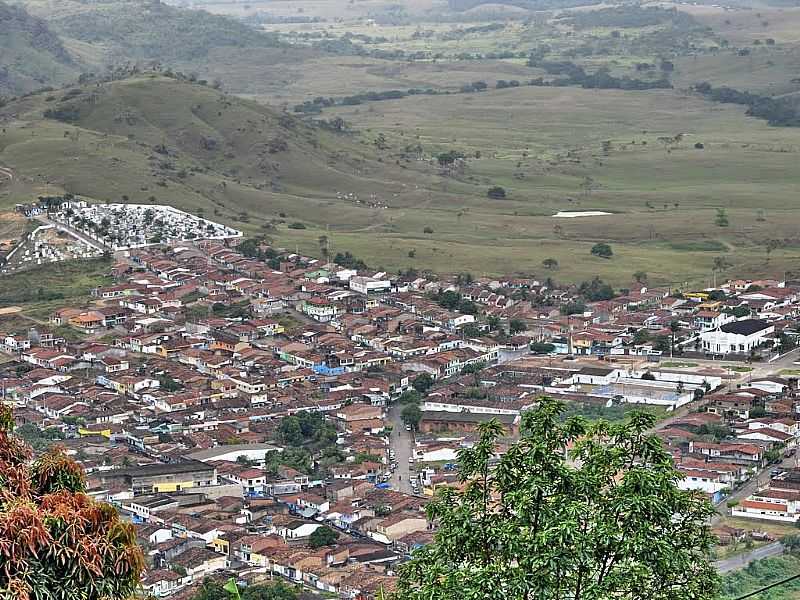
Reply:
x=602, y=250
x=496, y=193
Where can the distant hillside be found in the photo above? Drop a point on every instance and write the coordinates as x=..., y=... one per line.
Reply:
x=146, y=30
x=463, y=5
x=31, y=55
x=153, y=138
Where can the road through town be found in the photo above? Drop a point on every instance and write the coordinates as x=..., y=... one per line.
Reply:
x=740, y=561
x=401, y=442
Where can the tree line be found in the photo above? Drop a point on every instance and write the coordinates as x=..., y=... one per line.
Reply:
x=779, y=112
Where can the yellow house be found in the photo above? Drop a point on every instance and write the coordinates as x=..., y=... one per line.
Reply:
x=106, y=433
x=221, y=545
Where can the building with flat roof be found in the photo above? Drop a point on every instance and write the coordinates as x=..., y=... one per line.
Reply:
x=165, y=477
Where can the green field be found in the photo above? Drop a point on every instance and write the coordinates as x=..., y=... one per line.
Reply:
x=59, y=281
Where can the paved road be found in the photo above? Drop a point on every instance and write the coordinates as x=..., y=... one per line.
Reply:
x=742, y=560
x=400, y=441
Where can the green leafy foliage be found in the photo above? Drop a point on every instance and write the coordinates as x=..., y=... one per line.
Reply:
x=602, y=250
x=411, y=415
x=159, y=31
x=348, y=261
x=323, y=536
x=213, y=590
x=596, y=290
x=761, y=573
x=611, y=523
x=542, y=348
x=31, y=53
x=423, y=383
x=410, y=397
x=307, y=428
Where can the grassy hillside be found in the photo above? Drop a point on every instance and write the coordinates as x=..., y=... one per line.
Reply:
x=31, y=55
x=117, y=31
x=156, y=139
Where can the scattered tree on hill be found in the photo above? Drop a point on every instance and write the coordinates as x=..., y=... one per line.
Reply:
x=56, y=541
x=640, y=276
x=550, y=264
x=602, y=250
x=464, y=278
x=299, y=459
x=721, y=263
x=573, y=308
x=661, y=343
x=362, y=457
x=348, y=261
x=721, y=220
x=323, y=536
x=168, y=384
x=771, y=245
x=323, y=245
x=786, y=342
x=449, y=159
x=573, y=511
x=496, y=193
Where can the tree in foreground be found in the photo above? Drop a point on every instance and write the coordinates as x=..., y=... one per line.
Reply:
x=56, y=542
x=215, y=590
x=572, y=511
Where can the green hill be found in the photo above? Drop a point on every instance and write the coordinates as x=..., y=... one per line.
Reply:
x=31, y=55
x=106, y=32
x=152, y=138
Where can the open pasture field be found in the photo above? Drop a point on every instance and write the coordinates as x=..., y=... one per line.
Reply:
x=545, y=147
x=339, y=76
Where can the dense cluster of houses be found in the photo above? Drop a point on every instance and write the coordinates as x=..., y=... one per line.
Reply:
x=176, y=384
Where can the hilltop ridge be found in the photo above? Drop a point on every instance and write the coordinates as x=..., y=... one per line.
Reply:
x=32, y=55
